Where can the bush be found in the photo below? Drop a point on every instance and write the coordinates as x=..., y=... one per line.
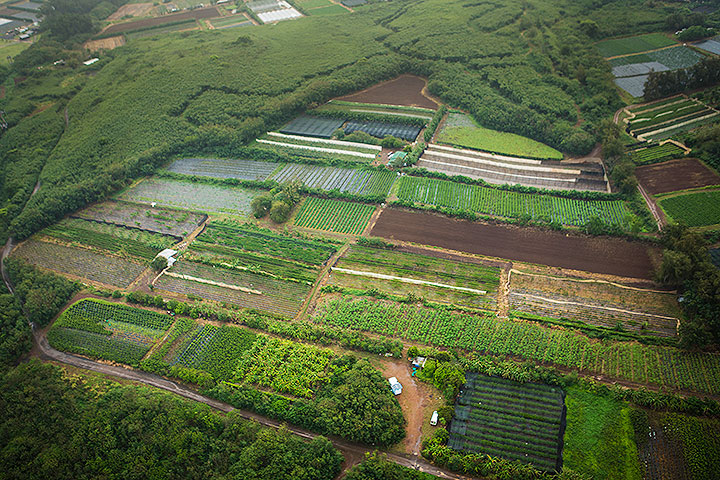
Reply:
x=391, y=142
x=280, y=212
x=159, y=263
x=261, y=205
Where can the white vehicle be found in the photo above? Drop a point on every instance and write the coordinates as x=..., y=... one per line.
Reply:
x=434, y=418
x=395, y=385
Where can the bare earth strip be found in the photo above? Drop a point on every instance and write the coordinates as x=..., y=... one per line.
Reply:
x=211, y=282
x=405, y=280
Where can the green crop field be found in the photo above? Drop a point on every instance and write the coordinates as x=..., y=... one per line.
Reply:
x=108, y=331
x=461, y=130
x=491, y=201
x=116, y=240
x=507, y=419
x=636, y=44
x=334, y=215
x=694, y=209
x=329, y=10
x=656, y=154
x=634, y=362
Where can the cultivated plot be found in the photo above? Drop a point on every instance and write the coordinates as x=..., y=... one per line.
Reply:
x=655, y=153
x=79, y=262
x=178, y=223
x=108, y=331
x=223, y=168
x=693, y=209
x=191, y=196
x=408, y=90
x=313, y=126
x=636, y=44
x=517, y=421
x=359, y=182
x=681, y=174
x=334, y=215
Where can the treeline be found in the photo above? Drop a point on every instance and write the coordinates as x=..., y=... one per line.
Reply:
x=686, y=266
x=75, y=20
x=701, y=75
x=94, y=428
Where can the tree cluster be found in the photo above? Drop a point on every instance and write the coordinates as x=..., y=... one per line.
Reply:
x=701, y=75
x=277, y=203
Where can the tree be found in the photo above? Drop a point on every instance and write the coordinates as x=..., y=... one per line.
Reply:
x=280, y=211
x=261, y=205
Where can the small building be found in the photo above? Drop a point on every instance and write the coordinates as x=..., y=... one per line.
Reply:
x=169, y=255
x=91, y=61
x=419, y=362
x=434, y=418
x=397, y=159
x=395, y=385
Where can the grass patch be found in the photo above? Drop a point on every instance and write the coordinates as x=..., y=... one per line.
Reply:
x=599, y=437
x=636, y=44
x=329, y=10
x=10, y=49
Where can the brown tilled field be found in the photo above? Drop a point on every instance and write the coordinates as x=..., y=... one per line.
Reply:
x=676, y=175
x=598, y=255
x=209, y=12
x=407, y=90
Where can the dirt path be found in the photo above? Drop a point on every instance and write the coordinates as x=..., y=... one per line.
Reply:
x=413, y=401
x=656, y=212
x=640, y=53
x=503, y=300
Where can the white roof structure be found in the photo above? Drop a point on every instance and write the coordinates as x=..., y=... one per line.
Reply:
x=168, y=254
x=91, y=61
x=395, y=385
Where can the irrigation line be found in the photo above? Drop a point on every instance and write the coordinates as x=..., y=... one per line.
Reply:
x=210, y=282
x=406, y=280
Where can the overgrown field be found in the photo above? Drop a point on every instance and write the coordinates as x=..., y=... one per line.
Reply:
x=492, y=201
x=334, y=215
x=507, y=419
x=108, y=331
x=459, y=129
x=442, y=327
x=693, y=209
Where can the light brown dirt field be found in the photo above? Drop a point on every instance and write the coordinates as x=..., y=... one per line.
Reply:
x=105, y=43
x=197, y=14
x=134, y=10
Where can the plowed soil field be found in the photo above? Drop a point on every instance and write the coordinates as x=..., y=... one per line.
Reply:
x=210, y=12
x=407, y=90
x=676, y=175
x=598, y=255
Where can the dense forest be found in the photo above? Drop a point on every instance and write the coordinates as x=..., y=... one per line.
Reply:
x=527, y=67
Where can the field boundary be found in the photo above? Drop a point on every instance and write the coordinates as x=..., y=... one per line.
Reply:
x=590, y=280
x=211, y=282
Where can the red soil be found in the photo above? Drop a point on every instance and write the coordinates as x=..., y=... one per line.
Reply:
x=676, y=175
x=407, y=90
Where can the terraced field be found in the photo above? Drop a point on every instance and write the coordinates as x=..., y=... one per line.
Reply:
x=108, y=331
x=80, y=262
x=511, y=420
x=490, y=201
x=662, y=120
x=403, y=273
x=359, y=182
x=224, y=168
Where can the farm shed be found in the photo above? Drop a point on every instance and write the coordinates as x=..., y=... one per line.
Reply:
x=419, y=362
x=168, y=254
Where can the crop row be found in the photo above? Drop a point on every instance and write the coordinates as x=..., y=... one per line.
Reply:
x=253, y=239
x=444, y=328
x=491, y=201
x=360, y=182
x=284, y=366
x=96, y=345
x=334, y=215
x=696, y=112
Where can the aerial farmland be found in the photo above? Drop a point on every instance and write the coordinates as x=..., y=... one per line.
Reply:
x=361, y=239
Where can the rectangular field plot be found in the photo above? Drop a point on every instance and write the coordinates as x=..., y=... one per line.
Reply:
x=126, y=242
x=490, y=201
x=381, y=129
x=249, y=238
x=284, y=366
x=667, y=59
x=108, y=331
x=79, y=262
x=224, y=168
x=234, y=286
x=311, y=126
x=517, y=421
x=655, y=154
x=154, y=219
x=329, y=10
x=712, y=45
x=191, y=196
x=212, y=349
x=401, y=273
x=636, y=44
x=487, y=335
x=694, y=209
x=460, y=129
x=597, y=304
x=675, y=175
x=334, y=215
x=360, y=182
x=635, y=86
